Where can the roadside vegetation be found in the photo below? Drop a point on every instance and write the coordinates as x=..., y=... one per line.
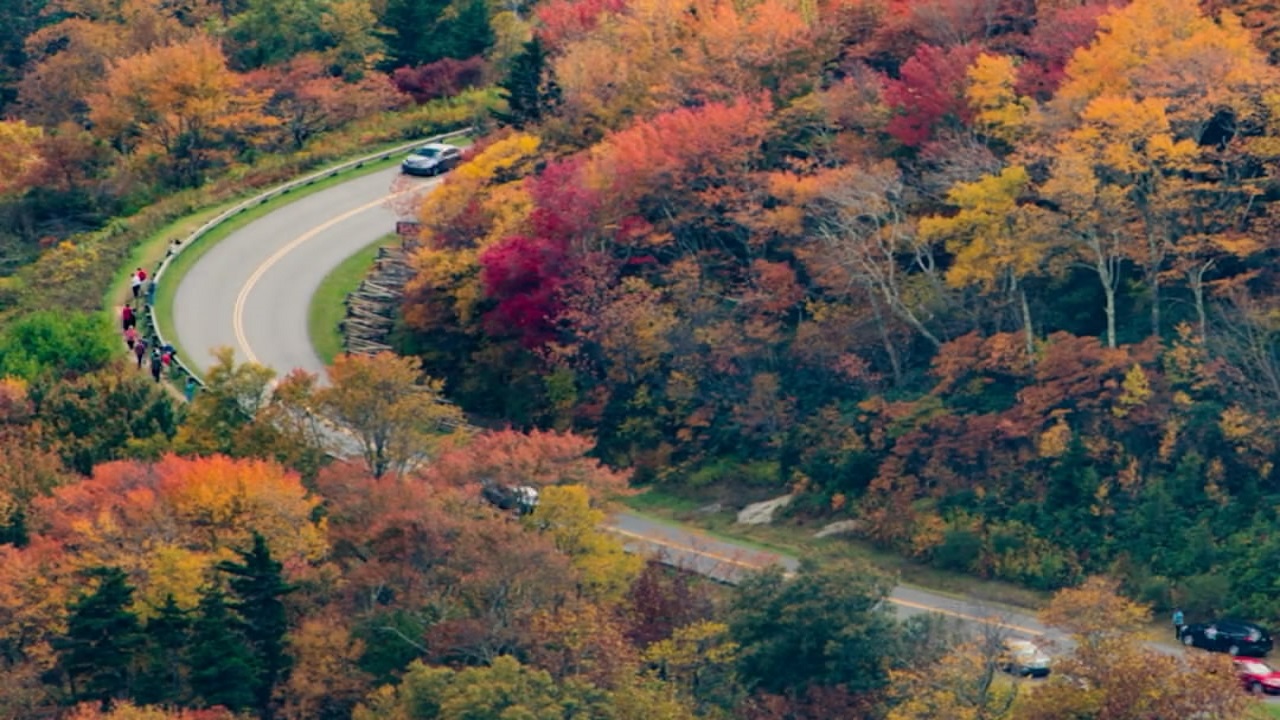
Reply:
x=328, y=305
x=994, y=286
x=999, y=292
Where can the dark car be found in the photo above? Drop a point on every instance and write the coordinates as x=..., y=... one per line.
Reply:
x=1235, y=637
x=1257, y=676
x=431, y=159
x=521, y=499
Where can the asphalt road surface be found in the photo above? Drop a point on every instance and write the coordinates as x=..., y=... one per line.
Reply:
x=251, y=292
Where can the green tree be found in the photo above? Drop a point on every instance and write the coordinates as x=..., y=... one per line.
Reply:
x=269, y=32
x=468, y=32
x=221, y=663
x=528, y=88
x=258, y=585
x=505, y=689
x=217, y=419
x=411, y=34
x=110, y=414
x=827, y=625
x=56, y=342
x=102, y=638
x=162, y=680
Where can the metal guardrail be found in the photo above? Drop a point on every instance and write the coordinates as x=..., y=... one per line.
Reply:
x=180, y=370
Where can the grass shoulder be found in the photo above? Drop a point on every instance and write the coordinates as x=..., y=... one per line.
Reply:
x=797, y=539
x=328, y=305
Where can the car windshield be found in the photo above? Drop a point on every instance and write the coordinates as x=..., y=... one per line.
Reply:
x=427, y=152
x=1255, y=668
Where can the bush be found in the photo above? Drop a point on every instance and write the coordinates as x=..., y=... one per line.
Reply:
x=959, y=550
x=440, y=79
x=57, y=341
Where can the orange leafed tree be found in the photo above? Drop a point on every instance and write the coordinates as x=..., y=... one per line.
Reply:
x=177, y=97
x=537, y=458
x=169, y=522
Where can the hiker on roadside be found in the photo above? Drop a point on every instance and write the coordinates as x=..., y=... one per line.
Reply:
x=127, y=318
x=135, y=283
x=131, y=337
x=190, y=390
x=1179, y=622
x=140, y=351
x=155, y=364
x=151, y=292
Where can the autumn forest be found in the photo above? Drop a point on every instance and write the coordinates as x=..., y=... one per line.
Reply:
x=988, y=278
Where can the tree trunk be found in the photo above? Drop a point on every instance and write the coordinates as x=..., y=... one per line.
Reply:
x=889, y=349
x=1106, y=264
x=1155, y=304
x=1110, y=291
x=1195, y=276
x=1028, y=331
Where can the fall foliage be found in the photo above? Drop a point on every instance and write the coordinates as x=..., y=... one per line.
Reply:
x=991, y=280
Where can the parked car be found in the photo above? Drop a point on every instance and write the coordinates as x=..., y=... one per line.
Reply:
x=521, y=499
x=1234, y=637
x=431, y=159
x=1024, y=658
x=1257, y=676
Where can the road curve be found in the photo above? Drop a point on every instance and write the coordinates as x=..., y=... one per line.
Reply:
x=251, y=291
x=269, y=269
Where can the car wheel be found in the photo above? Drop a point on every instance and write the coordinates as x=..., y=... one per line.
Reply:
x=1188, y=640
x=1233, y=650
x=1255, y=687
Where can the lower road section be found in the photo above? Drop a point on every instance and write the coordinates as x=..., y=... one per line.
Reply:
x=728, y=562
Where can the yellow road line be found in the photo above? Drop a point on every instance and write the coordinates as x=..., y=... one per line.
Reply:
x=758, y=566
x=237, y=317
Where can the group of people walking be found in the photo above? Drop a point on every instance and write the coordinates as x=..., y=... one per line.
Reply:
x=161, y=357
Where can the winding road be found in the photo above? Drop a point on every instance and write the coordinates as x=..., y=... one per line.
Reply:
x=252, y=290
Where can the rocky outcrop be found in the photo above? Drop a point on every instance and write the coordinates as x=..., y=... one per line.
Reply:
x=761, y=513
x=839, y=527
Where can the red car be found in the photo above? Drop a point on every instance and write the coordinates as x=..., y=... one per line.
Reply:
x=1257, y=676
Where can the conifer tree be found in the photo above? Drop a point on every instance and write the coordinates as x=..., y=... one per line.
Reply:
x=103, y=636
x=258, y=585
x=221, y=663
x=168, y=634
x=529, y=91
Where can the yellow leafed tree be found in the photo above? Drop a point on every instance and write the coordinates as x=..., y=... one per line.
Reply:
x=607, y=569
x=991, y=238
x=180, y=103
x=18, y=153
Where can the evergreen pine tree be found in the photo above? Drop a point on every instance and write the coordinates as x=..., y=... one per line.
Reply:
x=102, y=639
x=168, y=634
x=528, y=93
x=14, y=529
x=469, y=32
x=411, y=35
x=257, y=584
x=221, y=663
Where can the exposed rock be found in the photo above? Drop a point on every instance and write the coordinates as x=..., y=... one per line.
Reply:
x=839, y=527
x=711, y=509
x=761, y=513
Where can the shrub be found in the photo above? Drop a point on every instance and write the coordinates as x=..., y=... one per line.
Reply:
x=440, y=79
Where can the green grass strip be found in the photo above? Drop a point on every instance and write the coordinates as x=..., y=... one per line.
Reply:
x=328, y=308
x=178, y=269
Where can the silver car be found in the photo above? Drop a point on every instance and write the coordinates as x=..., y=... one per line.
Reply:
x=431, y=159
